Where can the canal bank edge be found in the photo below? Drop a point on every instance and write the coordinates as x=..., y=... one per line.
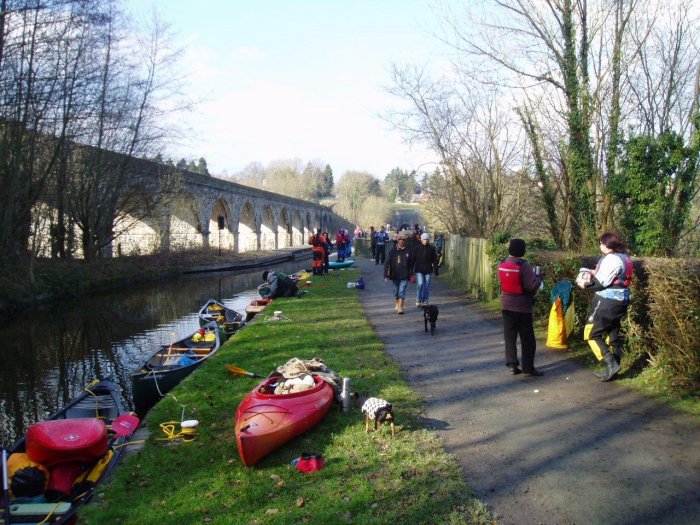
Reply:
x=17, y=296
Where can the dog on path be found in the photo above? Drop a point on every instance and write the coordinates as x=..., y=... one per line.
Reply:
x=430, y=315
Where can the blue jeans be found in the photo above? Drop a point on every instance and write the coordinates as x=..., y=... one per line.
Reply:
x=400, y=286
x=423, y=287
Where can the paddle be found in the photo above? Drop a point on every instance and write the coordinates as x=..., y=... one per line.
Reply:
x=125, y=425
x=240, y=372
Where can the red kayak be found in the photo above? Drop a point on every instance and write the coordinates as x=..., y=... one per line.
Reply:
x=266, y=421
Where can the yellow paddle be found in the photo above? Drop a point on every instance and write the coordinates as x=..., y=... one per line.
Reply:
x=240, y=372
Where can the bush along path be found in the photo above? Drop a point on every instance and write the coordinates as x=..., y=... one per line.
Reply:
x=559, y=449
x=368, y=478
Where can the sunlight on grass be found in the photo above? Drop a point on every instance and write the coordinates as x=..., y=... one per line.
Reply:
x=368, y=478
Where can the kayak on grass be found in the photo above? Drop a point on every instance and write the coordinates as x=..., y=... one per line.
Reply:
x=255, y=307
x=334, y=265
x=265, y=421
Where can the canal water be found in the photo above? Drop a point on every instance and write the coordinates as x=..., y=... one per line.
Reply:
x=51, y=352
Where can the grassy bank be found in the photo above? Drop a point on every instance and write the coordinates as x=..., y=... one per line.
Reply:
x=368, y=479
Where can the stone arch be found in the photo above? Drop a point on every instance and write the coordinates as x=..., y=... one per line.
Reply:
x=247, y=229
x=308, y=227
x=284, y=230
x=186, y=231
x=135, y=231
x=297, y=229
x=268, y=229
x=221, y=226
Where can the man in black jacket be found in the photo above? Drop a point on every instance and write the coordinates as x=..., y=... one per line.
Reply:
x=426, y=263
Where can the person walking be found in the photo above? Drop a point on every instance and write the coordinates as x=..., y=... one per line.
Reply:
x=398, y=268
x=426, y=264
x=519, y=283
x=327, y=249
x=611, y=281
x=381, y=239
x=372, y=240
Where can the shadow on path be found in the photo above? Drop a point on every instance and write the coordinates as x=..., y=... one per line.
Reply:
x=559, y=449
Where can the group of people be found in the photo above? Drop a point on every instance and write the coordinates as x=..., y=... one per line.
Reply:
x=411, y=259
x=610, y=280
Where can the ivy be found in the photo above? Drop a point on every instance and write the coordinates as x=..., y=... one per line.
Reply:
x=653, y=190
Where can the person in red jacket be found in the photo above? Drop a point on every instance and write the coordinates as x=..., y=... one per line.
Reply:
x=519, y=283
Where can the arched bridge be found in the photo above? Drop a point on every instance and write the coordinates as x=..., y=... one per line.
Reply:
x=210, y=212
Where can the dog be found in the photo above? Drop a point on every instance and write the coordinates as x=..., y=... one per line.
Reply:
x=379, y=411
x=430, y=315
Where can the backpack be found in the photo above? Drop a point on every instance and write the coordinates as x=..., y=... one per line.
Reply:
x=509, y=275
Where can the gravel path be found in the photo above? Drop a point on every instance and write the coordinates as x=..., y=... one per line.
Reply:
x=559, y=449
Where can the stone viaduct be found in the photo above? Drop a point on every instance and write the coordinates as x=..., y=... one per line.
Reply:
x=217, y=214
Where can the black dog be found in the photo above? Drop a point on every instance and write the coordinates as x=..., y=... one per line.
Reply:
x=430, y=315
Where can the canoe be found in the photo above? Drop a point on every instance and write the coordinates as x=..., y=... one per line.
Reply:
x=266, y=421
x=255, y=307
x=227, y=319
x=343, y=264
x=77, y=447
x=170, y=364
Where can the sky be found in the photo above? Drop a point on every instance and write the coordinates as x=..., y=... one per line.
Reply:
x=306, y=79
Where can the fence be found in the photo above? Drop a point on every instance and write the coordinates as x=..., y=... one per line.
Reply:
x=468, y=262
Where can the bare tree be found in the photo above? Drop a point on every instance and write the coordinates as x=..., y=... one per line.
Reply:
x=478, y=144
x=127, y=120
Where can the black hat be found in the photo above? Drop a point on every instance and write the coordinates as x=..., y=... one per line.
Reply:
x=516, y=247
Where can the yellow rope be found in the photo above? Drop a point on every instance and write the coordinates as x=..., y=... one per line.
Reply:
x=186, y=434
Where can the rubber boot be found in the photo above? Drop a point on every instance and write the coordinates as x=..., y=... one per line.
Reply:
x=612, y=367
x=617, y=352
x=400, y=310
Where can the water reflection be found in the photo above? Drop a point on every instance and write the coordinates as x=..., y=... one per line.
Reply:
x=50, y=353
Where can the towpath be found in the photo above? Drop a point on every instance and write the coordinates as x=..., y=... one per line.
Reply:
x=560, y=449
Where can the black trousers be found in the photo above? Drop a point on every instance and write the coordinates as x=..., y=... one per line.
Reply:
x=519, y=324
x=380, y=253
x=602, y=331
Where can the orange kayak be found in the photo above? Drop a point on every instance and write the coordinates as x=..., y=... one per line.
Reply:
x=255, y=307
x=266, y=421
